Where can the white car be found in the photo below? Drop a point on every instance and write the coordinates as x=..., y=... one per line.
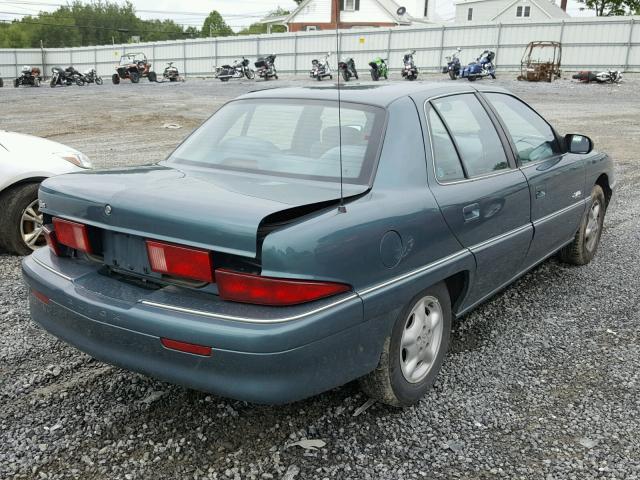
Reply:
x=24, y=162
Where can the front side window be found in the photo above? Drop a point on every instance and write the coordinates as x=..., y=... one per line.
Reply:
x=292, y=138
x=532, y=136
x=475, y=137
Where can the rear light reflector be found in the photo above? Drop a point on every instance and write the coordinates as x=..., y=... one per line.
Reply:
x=52, y=240
x=72, y=234
x=247, y=288
x=40, y=296
x=179, y=261
x=186, y=347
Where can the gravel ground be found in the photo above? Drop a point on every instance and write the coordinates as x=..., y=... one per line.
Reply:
x=541, y=382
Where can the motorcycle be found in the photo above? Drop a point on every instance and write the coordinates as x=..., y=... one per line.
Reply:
x=239, y=69
x=482, y=67
x=608, y=76
x=453, y=65
x=321, y=68
x=90, y=76
x=267, y=67
x=409, y=70
x=28, y=76
x=172, y=73
x=348, y=68
x=67, y=76
x=379, y=69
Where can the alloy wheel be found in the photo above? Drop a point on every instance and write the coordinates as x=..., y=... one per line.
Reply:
x=593, y=226
x=421, y=339
x=31, y=226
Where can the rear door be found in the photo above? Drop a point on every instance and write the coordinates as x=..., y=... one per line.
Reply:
x=556, y=178
x=483, y=196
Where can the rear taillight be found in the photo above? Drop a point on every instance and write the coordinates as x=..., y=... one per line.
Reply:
x=52, y=241
x=179, y=261
x=72, y=234
x=247, y=288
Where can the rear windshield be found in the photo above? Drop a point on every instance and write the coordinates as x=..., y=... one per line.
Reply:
x=292, y=138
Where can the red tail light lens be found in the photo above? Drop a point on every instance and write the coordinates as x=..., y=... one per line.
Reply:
x=247, y=288
x=72, y=234
x=179, y=261
x=52, y=241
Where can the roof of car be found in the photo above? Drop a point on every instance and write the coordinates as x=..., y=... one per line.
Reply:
x=378, y=94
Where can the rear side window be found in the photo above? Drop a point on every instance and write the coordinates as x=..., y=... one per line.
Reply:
x=475, y=137
x=532, y=136
x=447, y=163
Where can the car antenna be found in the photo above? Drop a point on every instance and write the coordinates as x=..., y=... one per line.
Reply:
x=341, y=208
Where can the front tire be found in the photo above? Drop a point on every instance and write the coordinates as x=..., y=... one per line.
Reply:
x=452, y=75
x=135, y=77
x=152, y=76
x=98, y=80
x=115, y=79
x=585, y=243
x=21, y=220
x=250, y=74
x=345, y=75
x=375, y=76
x=414, y=352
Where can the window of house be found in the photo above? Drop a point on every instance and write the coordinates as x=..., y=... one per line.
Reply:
x=349, y=5
x=310, y=28
x=527, y=11
x=470, y=14
x=519, y=11
x=523, y=11
x=426, y=8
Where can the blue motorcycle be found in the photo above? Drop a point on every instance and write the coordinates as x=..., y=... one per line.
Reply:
x=482, y=67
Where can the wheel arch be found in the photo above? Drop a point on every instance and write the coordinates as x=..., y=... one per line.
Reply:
x=22, y=181
x=457, y=285
x=603, y=182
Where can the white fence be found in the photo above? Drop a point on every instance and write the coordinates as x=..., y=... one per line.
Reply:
x=588, y=43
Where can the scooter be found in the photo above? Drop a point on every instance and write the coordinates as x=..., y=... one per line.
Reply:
x=321, y=68
x=239, y=69
x=453, y=65
x=482, y=67
x=379, y=69
x=267, y=67
x=608, y=76
x=409, y=70
x=348, y=68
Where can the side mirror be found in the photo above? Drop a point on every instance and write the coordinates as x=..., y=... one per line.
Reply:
x=578, y=143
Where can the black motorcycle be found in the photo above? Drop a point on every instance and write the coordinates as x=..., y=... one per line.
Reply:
x=266, y=67
x=90, y=76
x=348, y=68
x=28, y=76
x=65, y=77
x=409, y=69
x=239, y=69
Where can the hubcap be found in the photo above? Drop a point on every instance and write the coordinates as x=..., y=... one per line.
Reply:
x=421, y=339
x=31, y=226
x=593, y=226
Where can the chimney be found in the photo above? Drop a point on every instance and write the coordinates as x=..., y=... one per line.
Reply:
x=563, y=5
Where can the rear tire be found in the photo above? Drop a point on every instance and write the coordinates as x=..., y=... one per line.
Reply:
x=585, y=243
x=15, y=201
x=16, y=83
x=394, y=381
x=152, y=77
x=115, y=79
x=1, y=83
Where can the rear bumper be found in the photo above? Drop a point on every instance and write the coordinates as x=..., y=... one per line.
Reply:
x=273, y=362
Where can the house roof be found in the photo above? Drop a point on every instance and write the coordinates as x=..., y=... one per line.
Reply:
x=390, y=7
x=551, y=10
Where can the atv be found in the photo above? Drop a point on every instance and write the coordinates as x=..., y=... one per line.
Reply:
x=133, y=66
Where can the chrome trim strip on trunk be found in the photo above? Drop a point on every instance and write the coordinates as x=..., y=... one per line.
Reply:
x=47, y=267
x=221, y=316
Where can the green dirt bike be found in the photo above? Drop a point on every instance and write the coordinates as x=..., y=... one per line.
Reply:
x=379, y=69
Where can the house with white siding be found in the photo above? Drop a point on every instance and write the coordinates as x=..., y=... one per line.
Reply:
x=327, y=14
x=507, y=10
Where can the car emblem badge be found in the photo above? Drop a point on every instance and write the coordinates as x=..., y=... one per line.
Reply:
x=107, y=209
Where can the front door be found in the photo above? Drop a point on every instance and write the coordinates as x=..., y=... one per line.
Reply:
x=556, y=179
x=483, y=196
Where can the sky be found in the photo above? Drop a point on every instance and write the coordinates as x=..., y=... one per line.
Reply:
x=237, y=13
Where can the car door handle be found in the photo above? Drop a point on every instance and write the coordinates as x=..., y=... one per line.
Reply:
x=541, y=192
x=471, y=212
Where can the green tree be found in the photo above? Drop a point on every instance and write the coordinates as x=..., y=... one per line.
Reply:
x=215, y=26
x=607, y=8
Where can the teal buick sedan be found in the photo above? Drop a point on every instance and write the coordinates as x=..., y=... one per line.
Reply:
x=289, y=246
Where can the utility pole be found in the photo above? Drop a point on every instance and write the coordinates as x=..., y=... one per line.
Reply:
x=43, y=59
